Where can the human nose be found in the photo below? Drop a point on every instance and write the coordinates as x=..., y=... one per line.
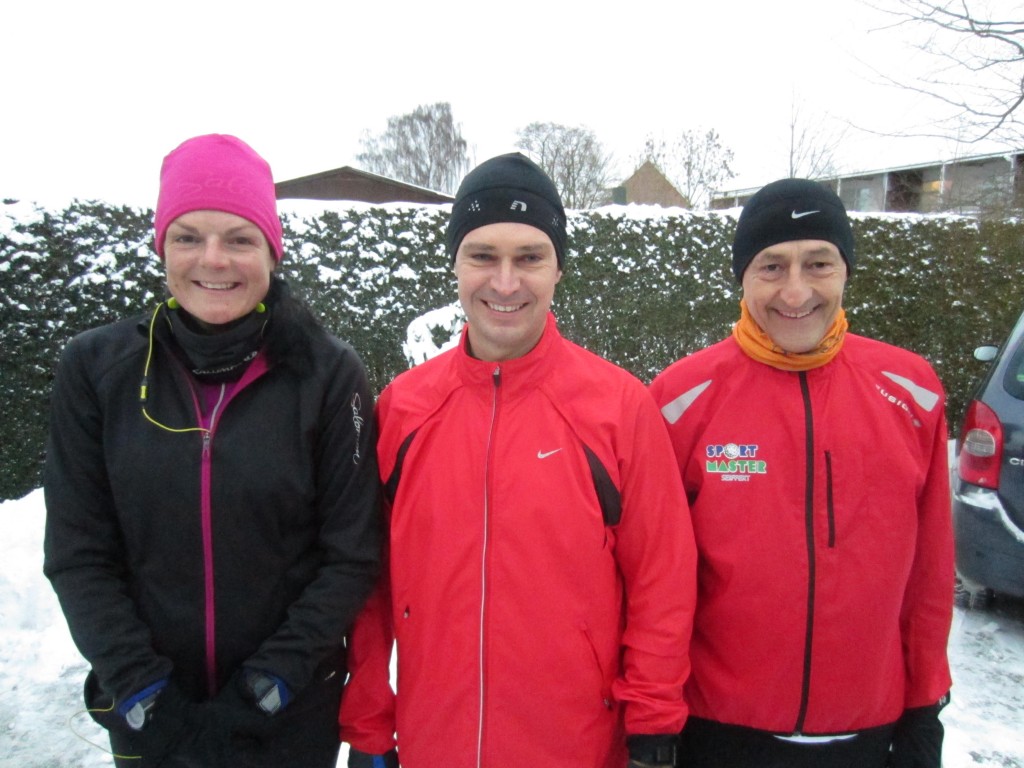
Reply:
x=505, y=278
x=796, y=289
x=214, y=253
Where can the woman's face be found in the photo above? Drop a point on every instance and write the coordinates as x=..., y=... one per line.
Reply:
x=218, y=265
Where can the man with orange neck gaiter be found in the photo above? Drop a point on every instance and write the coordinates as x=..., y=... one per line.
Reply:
x=815, y=464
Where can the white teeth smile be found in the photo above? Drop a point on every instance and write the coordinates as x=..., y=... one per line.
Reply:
x=505, y=307
x=217, y=286
x=795, y=315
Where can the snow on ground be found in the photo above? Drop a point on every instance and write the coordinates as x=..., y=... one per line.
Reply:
x=985, y=718
x=42, y=724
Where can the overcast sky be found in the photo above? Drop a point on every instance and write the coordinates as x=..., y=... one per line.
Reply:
x=96, y=93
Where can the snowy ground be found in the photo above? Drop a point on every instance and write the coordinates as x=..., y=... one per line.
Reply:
x=41, y=673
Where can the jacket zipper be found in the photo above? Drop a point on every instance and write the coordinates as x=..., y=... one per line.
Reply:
x=809, y=531
x=206, y=509
x=254, y=371
x=496, y=378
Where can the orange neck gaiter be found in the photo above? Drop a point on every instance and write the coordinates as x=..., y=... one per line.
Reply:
x=758, y=345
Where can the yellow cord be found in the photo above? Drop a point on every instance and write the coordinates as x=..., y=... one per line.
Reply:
x=144, y=388
x=100, y=747
x=142, y=394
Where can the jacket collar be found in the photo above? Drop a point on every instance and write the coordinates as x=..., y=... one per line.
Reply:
x=519, y=375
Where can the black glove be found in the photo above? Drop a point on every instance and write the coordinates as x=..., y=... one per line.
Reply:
x=247, y=703
x=239, y=719
x=154, y=726
x=357, y=759
x=917, y=741
x=173, y=724
x=652, y=751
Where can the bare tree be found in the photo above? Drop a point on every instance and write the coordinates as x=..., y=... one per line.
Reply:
x=696, y=162
x=813, y=145
x=573, y=158
x=424, y=147
x=979, y=77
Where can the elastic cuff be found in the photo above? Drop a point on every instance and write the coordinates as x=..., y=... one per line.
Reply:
x=150, y=690
x=282, y=688
x=269, y=691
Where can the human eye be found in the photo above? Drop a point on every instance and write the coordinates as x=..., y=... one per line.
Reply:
x=823, y=266
x=245, y=237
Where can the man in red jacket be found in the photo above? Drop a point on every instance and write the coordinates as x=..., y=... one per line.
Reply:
x=542, y=567
x=814, y=462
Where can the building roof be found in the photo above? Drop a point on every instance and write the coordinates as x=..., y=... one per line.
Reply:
x=747, y=192
x=348, y=183
x=968, y=184
x=648, y=185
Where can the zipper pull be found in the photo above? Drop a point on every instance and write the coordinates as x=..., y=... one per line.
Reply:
x=206, y=442
x=497, y=376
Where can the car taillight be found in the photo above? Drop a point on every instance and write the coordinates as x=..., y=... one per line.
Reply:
x=981, y=446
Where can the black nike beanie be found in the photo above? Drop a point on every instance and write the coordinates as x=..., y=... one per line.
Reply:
x=791, y=209
x=507, y=188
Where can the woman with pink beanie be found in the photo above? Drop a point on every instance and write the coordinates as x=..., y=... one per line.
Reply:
x=211, y=492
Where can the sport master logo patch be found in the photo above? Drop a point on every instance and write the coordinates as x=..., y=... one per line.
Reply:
x=734, y=462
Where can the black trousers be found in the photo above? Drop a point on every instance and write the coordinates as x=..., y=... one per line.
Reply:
x=707, y=744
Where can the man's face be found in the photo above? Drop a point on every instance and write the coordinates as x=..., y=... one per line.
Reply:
x=794, y=291
x=507, y=273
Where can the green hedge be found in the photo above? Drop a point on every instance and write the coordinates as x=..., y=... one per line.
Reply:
x=643, y=287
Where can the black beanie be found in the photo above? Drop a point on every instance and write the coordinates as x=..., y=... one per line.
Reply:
x=791, y=209
x=507, y=188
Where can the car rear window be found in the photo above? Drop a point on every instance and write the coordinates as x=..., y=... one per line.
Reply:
x=1013, y=379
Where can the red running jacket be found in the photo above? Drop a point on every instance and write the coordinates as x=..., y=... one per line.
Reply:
x=542, y=567
x=820, y=505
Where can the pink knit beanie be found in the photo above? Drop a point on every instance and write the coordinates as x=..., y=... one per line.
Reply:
x=218, y=173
